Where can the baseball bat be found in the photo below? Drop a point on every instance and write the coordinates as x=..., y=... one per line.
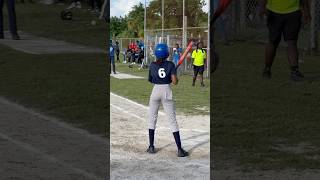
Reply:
x=184, y=54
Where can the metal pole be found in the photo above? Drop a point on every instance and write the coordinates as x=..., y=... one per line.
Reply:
x=185, y=38
x=243, y=9
x=162, y=33
x=145, y=33
x=208, y=40
x=183, y=25
x=184, y=43
x=313, y=40
x=211, y=32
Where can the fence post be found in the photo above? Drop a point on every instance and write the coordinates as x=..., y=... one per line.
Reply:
x=313, y=26
x=242, y=15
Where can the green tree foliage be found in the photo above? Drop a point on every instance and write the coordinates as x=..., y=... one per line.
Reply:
x=132, y=25
x=173, y=12
x=135, y=20
x=117, y=25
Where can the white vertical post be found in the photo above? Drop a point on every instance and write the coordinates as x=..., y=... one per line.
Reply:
x=121, y=44
x=185, y=38
x=208, y=40
x=162, y=14
x=184, y=41
x=155, y=43
x=145, y=42
x=146, y=48
x=243, y=9
x=313, y=25
x=183, y=25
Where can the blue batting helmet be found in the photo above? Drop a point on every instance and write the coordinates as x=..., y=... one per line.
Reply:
x=161, y=51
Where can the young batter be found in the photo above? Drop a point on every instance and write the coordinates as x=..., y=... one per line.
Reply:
x=162, y=73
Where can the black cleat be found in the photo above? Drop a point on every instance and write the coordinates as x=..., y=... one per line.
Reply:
x=151, y=150
x=296, y=75
x=15, y=37
x=266, y=73
x=202, y=85
x=182, y=153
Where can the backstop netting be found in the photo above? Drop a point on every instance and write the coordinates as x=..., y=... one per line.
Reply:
x=241, y=21
x=176, y=22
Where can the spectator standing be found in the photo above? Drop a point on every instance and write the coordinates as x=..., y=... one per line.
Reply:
x=12, y=19
x=284, y=19
x=111, y=55
x=177, y=51
x=117, y=49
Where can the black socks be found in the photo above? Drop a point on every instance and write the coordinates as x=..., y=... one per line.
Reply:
x=268, y=67
x=176, y=136
x=151, y=136
x=294, y=68
x=177, y=139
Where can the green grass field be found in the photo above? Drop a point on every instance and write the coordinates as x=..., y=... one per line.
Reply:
x=44, y=20
x=68, y=86
x=189, y=100
x=264, y=124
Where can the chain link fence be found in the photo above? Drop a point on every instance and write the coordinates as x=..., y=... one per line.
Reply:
x=176, y=22
x=242, y=22
x=174, y=37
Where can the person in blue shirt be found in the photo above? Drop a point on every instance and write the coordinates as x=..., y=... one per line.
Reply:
x=162, y=73
x=177, y=51
x=140, y=44
x=111, y=55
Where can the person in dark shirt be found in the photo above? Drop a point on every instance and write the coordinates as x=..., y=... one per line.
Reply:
x=116, y=47
x=12, y=19
x=162, y=73
x=284, y=19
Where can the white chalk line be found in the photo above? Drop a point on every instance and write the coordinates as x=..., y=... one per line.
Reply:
x=121, y=75
x=135, y=103
x=53, y=120
x=48, y=157
x=56, y=122
x=127, y=112
x=144, y=119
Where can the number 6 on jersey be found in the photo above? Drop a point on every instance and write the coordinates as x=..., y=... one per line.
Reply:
x=162, y=73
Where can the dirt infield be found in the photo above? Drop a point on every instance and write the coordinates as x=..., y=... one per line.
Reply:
x=129, y=140
x=289, y=174
x=34, y=146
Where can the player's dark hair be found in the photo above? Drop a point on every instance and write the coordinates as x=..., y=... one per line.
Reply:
x=160, y=60
x=198, y=47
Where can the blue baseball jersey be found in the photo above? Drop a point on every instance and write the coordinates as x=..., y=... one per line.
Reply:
x=160, y=73
x=111, y=50
x=176, y=55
